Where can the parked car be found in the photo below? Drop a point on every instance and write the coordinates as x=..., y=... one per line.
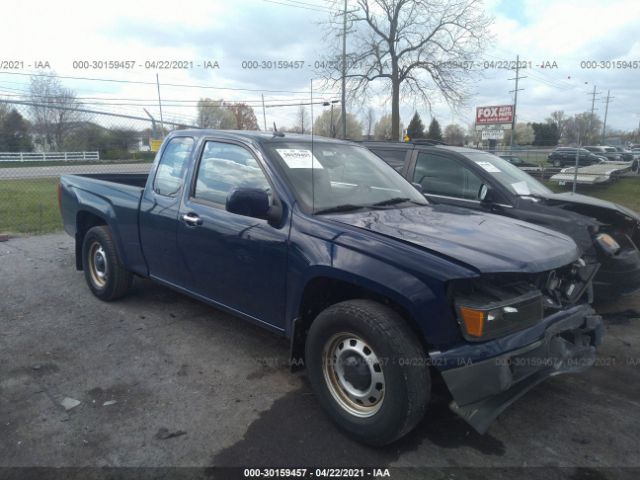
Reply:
x=606, y=232
x=566, y=156
x=322, y=242
x=609, y=153
x=627, y=155
x=521, y=164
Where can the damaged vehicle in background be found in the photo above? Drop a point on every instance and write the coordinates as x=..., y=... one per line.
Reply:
x=607, y=233
x=323, y=243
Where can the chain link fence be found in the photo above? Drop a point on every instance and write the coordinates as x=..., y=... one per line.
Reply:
x=39, y=142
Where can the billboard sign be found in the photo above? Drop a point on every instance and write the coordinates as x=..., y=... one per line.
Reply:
x=492, y=134
x=494, y=115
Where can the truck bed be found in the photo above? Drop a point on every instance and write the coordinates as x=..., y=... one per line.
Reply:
x=131, y=179
x=114, y=197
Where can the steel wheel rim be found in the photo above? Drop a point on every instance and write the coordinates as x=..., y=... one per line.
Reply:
x=353, y=374
x=98, y=265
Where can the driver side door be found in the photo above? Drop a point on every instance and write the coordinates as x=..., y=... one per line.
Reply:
x=235, y=261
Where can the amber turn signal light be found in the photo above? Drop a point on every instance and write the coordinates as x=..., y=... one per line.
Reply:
x=473, y=321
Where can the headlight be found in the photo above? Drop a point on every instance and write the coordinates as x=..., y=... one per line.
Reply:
x=483, y=321
x=607, y=243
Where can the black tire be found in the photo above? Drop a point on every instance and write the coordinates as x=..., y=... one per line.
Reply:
x=99, y=256
x=556, y=163
x=405, y=373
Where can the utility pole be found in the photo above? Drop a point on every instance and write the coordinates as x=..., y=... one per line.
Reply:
x=344, y=70
x=154, y=132
x=593, y=104
x=515, y=99
x=160, y=105
x=264, y=114
x=606, y=111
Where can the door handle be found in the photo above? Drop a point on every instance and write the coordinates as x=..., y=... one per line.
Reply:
x=191, y=219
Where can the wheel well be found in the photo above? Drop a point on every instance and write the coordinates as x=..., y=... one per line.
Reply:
x=321, y=293
x=84, y=222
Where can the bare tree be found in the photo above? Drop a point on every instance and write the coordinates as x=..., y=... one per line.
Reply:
x=522, y=135
x=454, y=134
x=322, y=125
x=583, y=128
x=245, y=116
x=382, y=129
x=215, y=114
x=418, y=48
x=54, y=110
x=559, y=119
x=301, y=120
x=370, y=121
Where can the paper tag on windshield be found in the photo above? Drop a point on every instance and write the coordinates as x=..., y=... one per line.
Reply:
x=298, y=158
x=521, y=188
x=489, y=167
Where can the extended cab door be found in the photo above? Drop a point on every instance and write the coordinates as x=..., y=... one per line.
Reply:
x=446, y=180
x=236, y=261
x=159, y=210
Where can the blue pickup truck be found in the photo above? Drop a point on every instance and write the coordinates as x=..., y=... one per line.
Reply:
x=377, y=290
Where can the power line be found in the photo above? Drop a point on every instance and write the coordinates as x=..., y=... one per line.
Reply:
x=302, y=5
x=292, y=103
x=140, y=82
x=84, y=110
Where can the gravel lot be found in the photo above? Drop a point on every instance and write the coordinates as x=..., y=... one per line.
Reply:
x=166, y=381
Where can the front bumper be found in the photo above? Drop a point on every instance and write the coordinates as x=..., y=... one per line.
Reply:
x=482, y=387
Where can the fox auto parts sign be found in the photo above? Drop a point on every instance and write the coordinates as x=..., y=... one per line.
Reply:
x=494, y=115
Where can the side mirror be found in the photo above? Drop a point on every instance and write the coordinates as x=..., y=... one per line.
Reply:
x=417, y=186
x=485, y=194
x=250, y=202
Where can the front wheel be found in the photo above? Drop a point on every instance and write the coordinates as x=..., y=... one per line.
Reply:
x=368, y=370
x=556, y=163
x=104, y=272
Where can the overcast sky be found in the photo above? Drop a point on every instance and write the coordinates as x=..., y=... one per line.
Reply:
x=562, y=31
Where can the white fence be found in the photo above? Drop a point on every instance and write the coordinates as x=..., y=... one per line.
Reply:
x=48, y=156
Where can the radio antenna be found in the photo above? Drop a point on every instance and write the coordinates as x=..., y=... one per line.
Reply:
x=313, y=196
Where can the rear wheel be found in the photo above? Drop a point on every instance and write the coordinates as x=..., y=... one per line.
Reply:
x=104, y=271
x=368, y=370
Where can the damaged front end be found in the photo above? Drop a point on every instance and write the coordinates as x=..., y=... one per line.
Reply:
x=519, y=330
x=619, y=254
x=615, y=236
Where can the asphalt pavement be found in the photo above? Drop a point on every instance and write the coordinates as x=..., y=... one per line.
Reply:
x=159, y=379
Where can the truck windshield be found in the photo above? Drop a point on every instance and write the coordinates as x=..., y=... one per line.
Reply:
x=341, y=177
x=516, y=180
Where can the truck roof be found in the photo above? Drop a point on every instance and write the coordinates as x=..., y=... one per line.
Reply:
x=258, y=136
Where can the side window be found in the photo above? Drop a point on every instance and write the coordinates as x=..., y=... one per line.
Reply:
x=442, y=176
x=223, y=167
x=170, y=173
x=395, y=158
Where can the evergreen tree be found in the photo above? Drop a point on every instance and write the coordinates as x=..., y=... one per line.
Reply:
x=14, y=133
x=434, y=133
x=416, y=127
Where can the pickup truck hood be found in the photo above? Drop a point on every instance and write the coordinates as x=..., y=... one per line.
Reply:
x=488, y=243
x=584, y=200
